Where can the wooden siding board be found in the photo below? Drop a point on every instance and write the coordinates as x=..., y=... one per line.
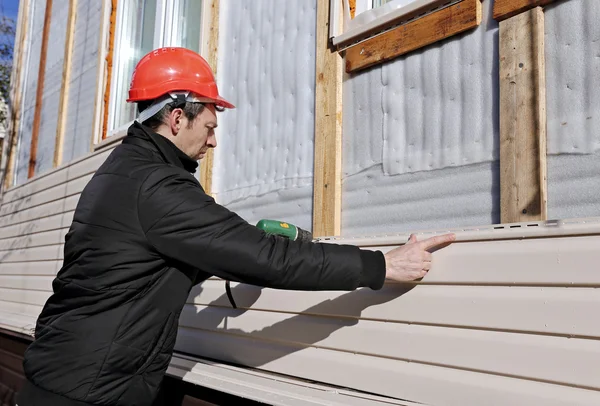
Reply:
x=504, y=9
x=523, y=173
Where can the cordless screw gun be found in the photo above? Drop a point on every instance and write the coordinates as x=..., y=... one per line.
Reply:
x=281, y=229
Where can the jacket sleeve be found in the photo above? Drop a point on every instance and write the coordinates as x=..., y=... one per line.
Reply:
x=184, y=224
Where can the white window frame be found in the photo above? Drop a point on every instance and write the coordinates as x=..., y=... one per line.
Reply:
x=165, y=10
x=369, y=21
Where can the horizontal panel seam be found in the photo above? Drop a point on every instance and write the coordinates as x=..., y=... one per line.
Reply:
x=408, y=360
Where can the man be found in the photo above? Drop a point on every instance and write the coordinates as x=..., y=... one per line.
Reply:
x=144, y=232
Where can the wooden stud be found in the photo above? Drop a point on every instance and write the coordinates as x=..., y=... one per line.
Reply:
x=504, y=9
x=523, y=189
x=37, y=116
x=352, y=6
x=206, y=165
x=101, y=74
x=327, y=199
x=109, y=65
x=414, y=35
x=66, y=80
x=16, y=93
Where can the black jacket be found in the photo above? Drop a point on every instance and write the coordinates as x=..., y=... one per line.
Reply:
x=144, y=232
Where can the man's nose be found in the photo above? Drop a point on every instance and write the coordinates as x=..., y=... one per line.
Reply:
x=212, y=141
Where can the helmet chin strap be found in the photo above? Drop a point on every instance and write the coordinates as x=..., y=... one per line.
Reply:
x=180, y=98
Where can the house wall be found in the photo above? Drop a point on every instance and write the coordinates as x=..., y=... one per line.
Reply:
x=421, y=138
x=264, y=161
x=53, y=73
x=573, y=76
x=513, y=324
x=84, y=81
x=35, y=27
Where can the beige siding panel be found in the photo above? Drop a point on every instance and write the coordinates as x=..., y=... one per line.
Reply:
x=268, y=389
x=53, y=237
x=20, y=308
x=401, y=379
x=554, y=310
x=32, y=297
x=555, y=359
x=56, y=222
x=51, y=252
x=36, y=282
x=28, y=269
x=543, y=261
x=38, y=212
x=17, y=322
x=76, y=169
x=59, y=192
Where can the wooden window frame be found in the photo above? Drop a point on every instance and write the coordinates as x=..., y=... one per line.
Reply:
x=412, y=27
x=504, y=9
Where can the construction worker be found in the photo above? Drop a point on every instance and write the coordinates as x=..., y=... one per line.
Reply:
x=144, y=232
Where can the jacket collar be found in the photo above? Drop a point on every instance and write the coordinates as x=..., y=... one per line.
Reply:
x=143, y=136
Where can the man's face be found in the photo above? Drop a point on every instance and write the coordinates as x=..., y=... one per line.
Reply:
x=195, y=140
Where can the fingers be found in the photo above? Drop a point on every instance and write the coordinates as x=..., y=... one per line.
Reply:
x=437, y=240
x=427, y=256
x=412, y=239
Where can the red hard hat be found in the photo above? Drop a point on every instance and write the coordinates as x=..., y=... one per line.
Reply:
x=174, y=69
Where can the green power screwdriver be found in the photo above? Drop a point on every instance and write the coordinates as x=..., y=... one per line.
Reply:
x=279, y=228
x=284, y=229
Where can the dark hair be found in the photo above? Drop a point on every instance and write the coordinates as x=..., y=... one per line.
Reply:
x=191, y=111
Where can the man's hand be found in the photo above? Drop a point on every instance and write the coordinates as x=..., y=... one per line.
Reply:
x=412, y=260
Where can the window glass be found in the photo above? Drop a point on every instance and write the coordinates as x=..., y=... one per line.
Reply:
x=379, y=3
x=185, y=24
x=136, y=28
x=145, y=25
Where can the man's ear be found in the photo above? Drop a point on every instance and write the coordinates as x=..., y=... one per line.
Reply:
x=175, y=119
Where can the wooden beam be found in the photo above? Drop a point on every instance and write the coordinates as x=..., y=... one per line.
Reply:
x=16, y=92
x=327, y=197
x=504, y=9
x=206, y=165
x=523, y=190
x=101, y=74
x=414, y=35
x=37, y=117
x=66, y=80
x=352, y=6
x=109, y=65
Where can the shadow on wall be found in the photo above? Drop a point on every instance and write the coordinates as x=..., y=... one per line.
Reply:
x=291, y=332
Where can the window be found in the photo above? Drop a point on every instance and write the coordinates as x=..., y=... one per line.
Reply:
x=363, y=18
x=144, y=25
x=375, y=31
